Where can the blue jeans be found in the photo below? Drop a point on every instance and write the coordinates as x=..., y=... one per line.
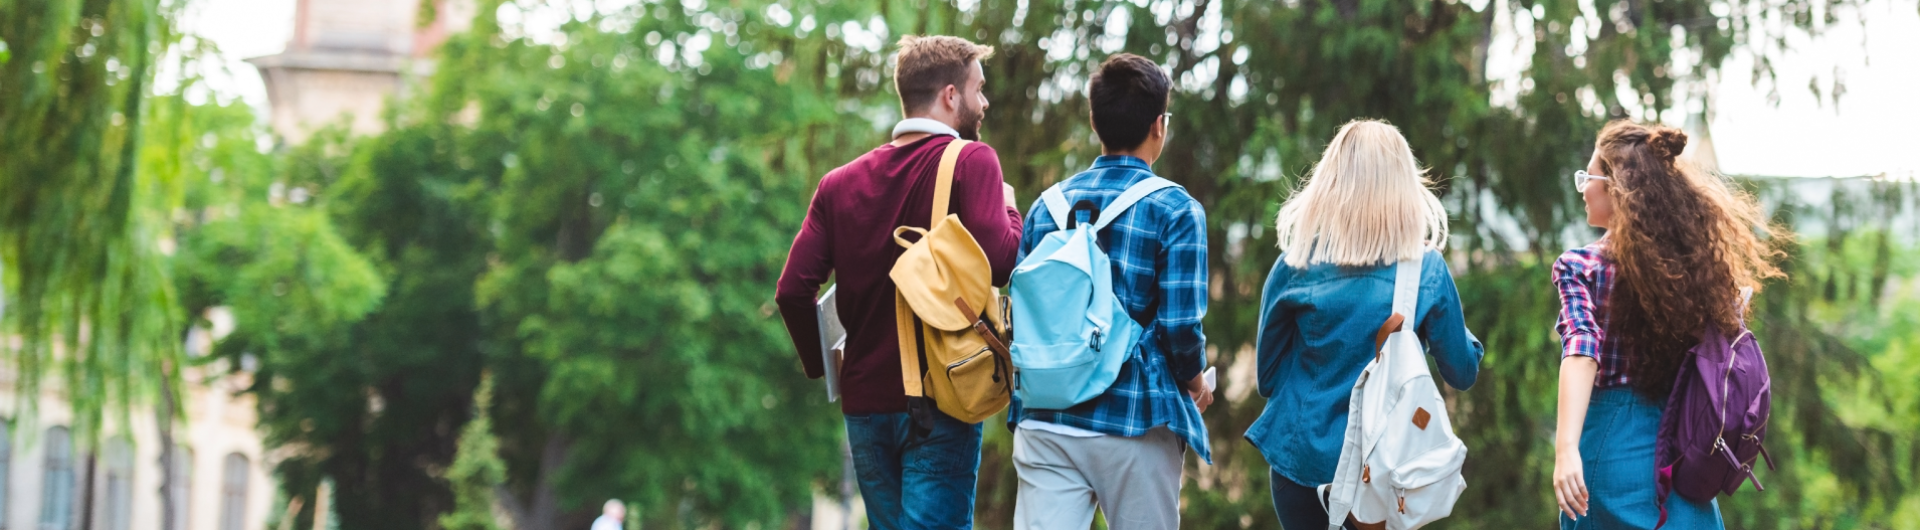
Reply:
x=1616, y=456
x=1298, y=506
x=915, y=483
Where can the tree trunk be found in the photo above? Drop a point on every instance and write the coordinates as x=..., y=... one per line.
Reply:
x=86, y=494
x=541, y=510
x=847, y=485
x=168, y=504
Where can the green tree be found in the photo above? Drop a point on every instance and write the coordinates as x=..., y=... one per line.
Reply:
x=477, y=470
x=382, y=388
x=85, y=282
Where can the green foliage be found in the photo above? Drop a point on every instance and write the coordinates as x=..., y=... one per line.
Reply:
x=288, y=277
x=637, y=232
x=477, y=469
x=85, y=281
x=384, y=392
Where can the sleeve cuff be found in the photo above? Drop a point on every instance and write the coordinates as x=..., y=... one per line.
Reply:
x=1186, y=371
x=1580, y=344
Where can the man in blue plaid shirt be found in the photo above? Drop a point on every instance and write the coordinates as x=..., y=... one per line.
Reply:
x=1123, y=451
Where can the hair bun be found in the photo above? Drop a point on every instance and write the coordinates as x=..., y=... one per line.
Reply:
x=1667, y=142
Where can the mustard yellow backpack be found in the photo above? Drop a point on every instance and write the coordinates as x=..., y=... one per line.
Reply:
x=948, y=315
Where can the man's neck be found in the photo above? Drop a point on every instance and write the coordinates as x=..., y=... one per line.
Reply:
x=904, y=139
x=1141, y=154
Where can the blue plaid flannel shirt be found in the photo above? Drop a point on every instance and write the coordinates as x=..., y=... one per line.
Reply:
x=1159, y=251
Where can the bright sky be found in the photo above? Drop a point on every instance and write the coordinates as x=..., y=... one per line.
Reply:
x=1874, y=129
x=241, y=29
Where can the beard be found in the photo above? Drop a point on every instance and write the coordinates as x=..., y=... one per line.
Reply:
x=970, y=119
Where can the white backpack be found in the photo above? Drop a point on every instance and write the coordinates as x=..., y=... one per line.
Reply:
x=1400, y=465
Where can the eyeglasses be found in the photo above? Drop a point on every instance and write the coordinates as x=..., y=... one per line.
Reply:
x=1582, y=178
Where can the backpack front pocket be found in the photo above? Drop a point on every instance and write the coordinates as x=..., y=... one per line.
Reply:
x=1063, y=384
x=979, y=382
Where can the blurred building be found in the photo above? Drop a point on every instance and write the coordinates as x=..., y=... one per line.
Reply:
x=220, y=478
x=349, y=57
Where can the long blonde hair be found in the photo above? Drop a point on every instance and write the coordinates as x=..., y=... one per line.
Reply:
x=1367, y=203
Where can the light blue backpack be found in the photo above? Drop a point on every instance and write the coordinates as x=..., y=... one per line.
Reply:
x=1072, y=333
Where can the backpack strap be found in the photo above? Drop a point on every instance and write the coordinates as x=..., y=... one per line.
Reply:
x=1056, y=202
x=1134, y=193
x=1406, y=289
x=943, y=181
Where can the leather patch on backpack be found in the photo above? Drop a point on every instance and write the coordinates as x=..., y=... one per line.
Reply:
x=1421, y=417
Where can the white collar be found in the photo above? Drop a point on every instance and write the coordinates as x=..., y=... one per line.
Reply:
x=923, y=125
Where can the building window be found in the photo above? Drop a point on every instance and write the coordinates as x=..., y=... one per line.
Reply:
x=180, y=485
x=6, y=468
x=56, y=486
x=233, y=492
x=119, y=492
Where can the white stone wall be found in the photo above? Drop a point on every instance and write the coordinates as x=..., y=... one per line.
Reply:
x=221, y=423
x=349, y=57
x=304, y=100
x=369, y=25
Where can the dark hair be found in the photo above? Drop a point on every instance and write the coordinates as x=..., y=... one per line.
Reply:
x=1684, y=241
x=927, y=65
x=1127, y=93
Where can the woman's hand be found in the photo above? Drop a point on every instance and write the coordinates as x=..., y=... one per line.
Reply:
x=1569, y=482
x=1577, y=373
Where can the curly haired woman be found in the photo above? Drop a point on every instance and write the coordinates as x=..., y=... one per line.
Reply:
x=1680, y=245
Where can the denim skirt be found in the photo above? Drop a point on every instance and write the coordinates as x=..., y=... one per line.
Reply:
x=1616, y=452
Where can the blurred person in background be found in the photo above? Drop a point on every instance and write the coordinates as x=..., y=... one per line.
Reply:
x=613, y=515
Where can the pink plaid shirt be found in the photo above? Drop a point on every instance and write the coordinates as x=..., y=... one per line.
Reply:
x=1584, y=279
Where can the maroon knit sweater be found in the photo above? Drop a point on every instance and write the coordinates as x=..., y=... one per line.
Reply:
x=849, y=233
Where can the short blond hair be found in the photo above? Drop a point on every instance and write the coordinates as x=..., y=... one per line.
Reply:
x=1367, y=203
x=928, y=64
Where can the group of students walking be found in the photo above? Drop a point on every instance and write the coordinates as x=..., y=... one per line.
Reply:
x=1112, y=263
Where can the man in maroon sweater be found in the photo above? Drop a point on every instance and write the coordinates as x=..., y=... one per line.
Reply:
x=907, y=480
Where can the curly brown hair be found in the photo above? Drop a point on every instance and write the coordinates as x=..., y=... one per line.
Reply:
x=1684, y=242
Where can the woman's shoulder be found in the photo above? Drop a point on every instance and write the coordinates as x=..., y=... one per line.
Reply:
x=1433, y=265
x=1581, y=260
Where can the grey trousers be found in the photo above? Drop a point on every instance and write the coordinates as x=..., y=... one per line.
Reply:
x=1134, y=481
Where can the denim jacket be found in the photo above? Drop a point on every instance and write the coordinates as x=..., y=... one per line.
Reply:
x=1317, y=328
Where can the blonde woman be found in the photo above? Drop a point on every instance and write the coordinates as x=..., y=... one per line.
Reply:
x=1365, y=207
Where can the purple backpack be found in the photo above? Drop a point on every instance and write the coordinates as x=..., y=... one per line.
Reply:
x=1715, y=419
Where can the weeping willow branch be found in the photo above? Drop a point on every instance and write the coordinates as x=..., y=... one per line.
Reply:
x=86, y=284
